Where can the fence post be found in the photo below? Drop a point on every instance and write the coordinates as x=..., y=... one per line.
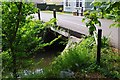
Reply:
x=82, y=11
x=54, y=15
x=77, y=12
x=99, y=46
x=39, y=14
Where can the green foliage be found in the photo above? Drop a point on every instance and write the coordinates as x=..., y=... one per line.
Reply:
x=21, y=36
x=24, y=39
x=110, y=63
x=75, y=59
x=82, y=59
x=15, y=34
x=100, y=10
x=91, y=20
x=113, y=9
x=105, y=42
x=100, y=6
x=10, y=19
x=108, y=7
x=7, y=60
x=109, y=59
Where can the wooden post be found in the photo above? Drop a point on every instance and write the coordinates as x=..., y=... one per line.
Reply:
x=77, y=12
x=82, y=11
x=54, y=15
x=39, y=14
x=99, y=46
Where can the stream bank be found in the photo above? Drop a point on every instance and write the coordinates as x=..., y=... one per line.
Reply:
x=50, y=52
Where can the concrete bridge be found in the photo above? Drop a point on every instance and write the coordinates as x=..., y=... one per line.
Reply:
x=76, y=27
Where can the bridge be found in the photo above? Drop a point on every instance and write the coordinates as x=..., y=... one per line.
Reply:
x=76, y=27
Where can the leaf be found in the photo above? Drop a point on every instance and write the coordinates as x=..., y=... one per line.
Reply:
x=87, y=24
x=99, y=23
x=108, y=8
x=53, y=20
x=112, y=25
x=92, y=28
x=83, y=19
x=86, y=13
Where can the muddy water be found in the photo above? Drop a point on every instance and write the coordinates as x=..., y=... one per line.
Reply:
x=46, y=57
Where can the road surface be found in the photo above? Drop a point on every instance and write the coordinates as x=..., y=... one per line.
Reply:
x=75, y=23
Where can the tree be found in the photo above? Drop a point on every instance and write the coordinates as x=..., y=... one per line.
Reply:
x=21, y=35
x=100, y=9
x=13, y=18
x=113, y=8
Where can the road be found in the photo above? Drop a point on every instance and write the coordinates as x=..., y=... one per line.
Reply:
x=75, y=23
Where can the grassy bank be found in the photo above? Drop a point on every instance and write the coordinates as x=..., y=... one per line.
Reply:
x=80, y=62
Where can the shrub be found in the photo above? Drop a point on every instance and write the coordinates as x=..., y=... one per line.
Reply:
x=110, y=63
x=82, y=58
x=76, y=58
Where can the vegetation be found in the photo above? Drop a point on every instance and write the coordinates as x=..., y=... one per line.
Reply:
x=102, y=10
x=80, y=61
x=22, y=37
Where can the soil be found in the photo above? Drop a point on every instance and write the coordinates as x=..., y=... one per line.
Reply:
x=89, y=75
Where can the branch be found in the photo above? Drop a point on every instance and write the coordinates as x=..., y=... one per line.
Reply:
x=14, y=37
x=18, y=20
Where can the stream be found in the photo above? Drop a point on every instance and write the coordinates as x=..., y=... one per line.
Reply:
x=45, y=58
x=50, y=52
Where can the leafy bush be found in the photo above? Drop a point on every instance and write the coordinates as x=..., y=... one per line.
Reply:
x=74, y=59
x=20, y=36
x=82, y=61
x=6, y=63
x=110, y=63
x=91, y=19
x=29, y=40
x=82, y=58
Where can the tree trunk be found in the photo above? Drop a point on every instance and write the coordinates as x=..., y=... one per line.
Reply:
x=13, y=53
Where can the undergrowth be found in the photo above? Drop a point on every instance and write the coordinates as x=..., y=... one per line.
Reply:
x=82, y=59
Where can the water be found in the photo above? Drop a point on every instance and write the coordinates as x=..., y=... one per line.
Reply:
x=29, y=72
x=45, y=57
